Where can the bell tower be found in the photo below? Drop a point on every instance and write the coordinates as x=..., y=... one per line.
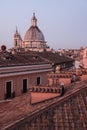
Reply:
x=17, y=39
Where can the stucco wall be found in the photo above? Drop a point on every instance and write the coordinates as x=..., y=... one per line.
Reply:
x=17, y=82
x=65, y=80
x=84, y=77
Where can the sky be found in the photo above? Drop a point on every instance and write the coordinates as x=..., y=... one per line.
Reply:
x=63, y=22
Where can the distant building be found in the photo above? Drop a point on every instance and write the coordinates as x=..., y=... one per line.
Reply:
x=33, y=40
x=85, y=58
x=17, y=40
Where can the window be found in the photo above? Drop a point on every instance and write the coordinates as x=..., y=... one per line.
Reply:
x=8, y=90
x=16, y=43
x=38, y=80
x=24, y=85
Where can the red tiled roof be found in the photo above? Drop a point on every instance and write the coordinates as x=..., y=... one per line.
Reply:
x=15, y=109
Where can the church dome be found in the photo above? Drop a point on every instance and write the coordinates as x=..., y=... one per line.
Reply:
x=34, y=33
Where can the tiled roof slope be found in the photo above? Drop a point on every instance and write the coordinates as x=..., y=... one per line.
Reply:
x=54, y=57
x=70, y=110
x=7, y=59
x=31, y=58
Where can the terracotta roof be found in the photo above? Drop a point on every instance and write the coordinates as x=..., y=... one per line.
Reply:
x=54, y=57
x=12, y=110
x=7, y=59
x=31, y=58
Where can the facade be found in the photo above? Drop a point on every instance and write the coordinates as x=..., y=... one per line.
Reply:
x=33, y=40
x=19, y=72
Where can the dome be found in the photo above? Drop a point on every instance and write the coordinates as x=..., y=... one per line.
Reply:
x=34, y=34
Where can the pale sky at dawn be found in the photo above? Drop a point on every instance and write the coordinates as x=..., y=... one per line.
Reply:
x=63, y=22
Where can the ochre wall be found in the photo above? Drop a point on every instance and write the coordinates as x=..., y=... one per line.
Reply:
x=17, y=82
x=84, y=77
x=65, y=80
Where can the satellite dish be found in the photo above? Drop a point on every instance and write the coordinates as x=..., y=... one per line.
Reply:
x=3, y=48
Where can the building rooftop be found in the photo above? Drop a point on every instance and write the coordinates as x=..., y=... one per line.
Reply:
x=15, y=109
x=31, y=58
x=8, y=59
x=54, y=57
